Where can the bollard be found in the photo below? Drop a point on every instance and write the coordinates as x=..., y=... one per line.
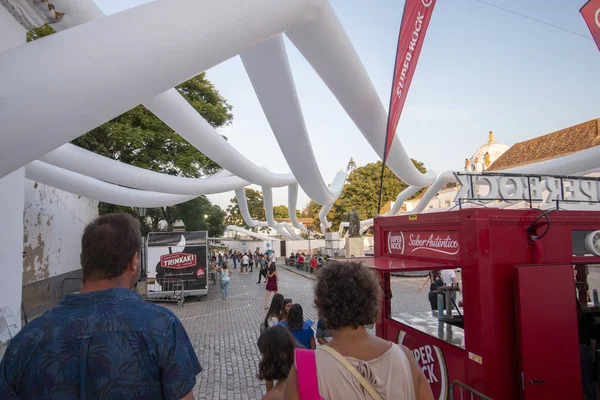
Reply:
x=440, y=310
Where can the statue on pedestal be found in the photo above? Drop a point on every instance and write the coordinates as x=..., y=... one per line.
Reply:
x=354, y=225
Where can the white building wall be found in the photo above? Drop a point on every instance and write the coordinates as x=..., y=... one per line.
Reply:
x=293, y=246
x=11, y=212
x=54, y=221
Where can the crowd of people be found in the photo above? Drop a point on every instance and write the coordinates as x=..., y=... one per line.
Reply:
x=350, y=363
x=106, y=342
x=299, y=258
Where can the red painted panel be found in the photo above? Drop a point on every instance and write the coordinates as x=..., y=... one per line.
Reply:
x=426, y=243
x=547, y=331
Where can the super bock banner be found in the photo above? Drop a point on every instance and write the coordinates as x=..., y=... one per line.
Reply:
x=415, y=20
x=591, y=13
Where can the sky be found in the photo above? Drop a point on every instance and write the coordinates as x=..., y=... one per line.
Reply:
x=481, y=69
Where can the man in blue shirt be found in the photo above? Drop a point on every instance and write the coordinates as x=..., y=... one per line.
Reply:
x=105, y=342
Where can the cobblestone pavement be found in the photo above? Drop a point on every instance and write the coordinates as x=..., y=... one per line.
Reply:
x=224, y=333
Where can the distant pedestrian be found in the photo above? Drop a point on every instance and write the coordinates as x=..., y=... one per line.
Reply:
x=251, y=262
x=323, y=334
x=104, y=342
x=313, y=264
x=263, y=269
x=235, y=259
x=245, y=261
x=271, y=283
x=276, y=346
x=225, y=280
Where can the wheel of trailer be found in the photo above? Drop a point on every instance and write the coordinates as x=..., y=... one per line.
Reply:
x=592, y=242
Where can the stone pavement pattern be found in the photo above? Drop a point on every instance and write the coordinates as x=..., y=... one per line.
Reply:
x=224, y=333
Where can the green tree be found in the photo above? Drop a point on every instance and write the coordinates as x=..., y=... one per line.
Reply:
x=351, y=165
x=256, y=207
x=311, y=210
x=281, y=211
x=139, y=138
x=198, y=214
x=361, y=192
x=40, y=32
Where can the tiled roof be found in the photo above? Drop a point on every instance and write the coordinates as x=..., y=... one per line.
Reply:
x=553, y=145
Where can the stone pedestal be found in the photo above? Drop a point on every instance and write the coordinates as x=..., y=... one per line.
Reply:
x=355, y=247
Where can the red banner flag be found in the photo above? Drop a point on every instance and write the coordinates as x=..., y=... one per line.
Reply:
x=591, y=13
x=415, y=20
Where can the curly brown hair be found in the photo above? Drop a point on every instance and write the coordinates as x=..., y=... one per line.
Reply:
x=347, y=294
x=276, y=346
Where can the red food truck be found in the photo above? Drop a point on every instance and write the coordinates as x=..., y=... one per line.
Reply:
x=514, y=335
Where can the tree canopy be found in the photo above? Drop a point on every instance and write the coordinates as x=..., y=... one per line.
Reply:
x=256, y=207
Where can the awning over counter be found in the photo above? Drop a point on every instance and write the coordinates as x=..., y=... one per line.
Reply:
x=390, y=264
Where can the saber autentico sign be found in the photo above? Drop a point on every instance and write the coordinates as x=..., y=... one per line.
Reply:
x=591, y=13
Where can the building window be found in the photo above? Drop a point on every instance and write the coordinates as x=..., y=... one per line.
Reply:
x=447, y=203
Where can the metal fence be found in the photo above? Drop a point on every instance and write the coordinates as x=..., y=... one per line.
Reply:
x=162, y=289
x=461, y=391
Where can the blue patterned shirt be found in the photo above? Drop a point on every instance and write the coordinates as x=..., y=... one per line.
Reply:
x=108, y=344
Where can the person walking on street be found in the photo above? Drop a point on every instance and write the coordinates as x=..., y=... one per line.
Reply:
x=263, y=268
x=235, y=259
x=225, y=280
x=313, y=264
x=271, y=283
x=106, y=341
x=251, y=262
x=245, y=261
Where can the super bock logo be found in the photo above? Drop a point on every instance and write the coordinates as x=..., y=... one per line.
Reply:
x=432, y=362
x=437, y=244
x=396, y=242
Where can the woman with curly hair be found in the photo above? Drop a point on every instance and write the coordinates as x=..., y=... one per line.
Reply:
x=355, y=365
x=276, y=346
x=300, y=329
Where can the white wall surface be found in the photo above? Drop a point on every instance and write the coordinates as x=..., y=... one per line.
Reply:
x=54, y=221
x=303, y=246
x=11, y=209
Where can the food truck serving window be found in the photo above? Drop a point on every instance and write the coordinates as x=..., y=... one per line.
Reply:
x=418, y=291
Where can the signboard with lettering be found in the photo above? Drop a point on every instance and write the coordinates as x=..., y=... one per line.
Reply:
x=520, y=187
x=431, y=360
x=435, y=244
x=179, y=255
